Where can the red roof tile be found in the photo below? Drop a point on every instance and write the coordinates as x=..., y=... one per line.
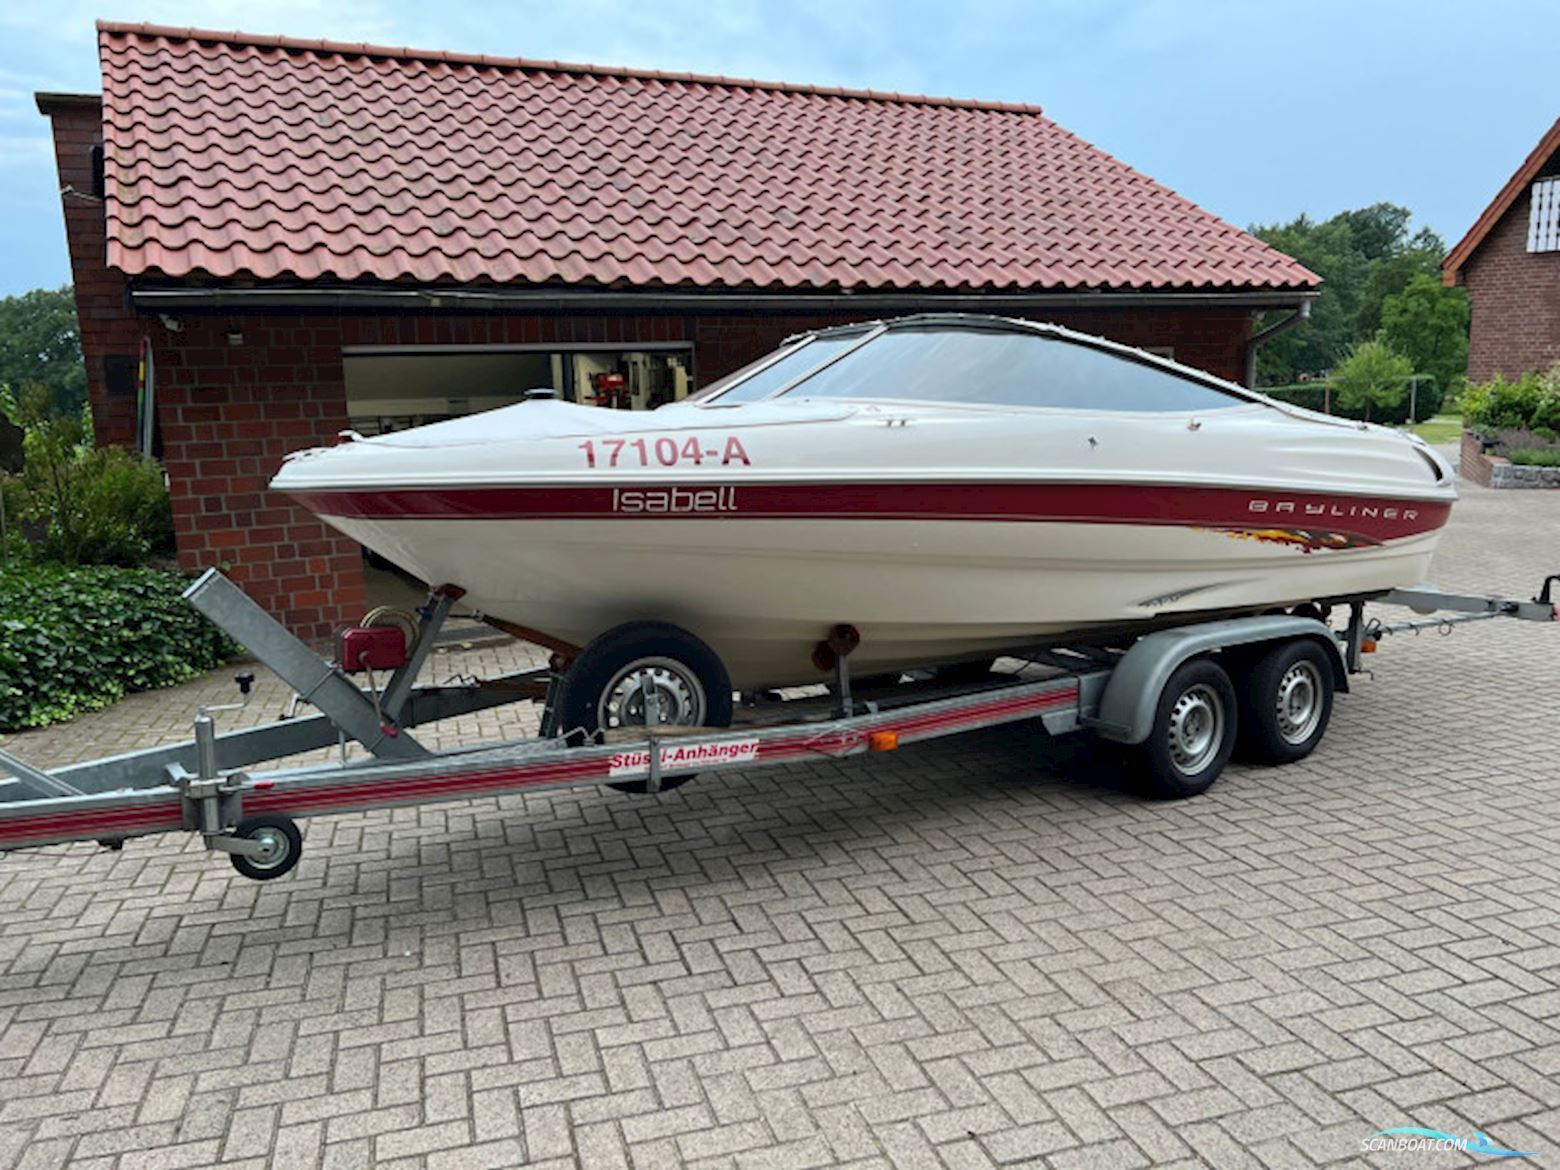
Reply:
x=234, y=156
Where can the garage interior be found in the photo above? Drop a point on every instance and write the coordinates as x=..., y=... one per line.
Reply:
x=391, y=388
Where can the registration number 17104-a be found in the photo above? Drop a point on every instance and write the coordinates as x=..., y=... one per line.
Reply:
x=665, y=451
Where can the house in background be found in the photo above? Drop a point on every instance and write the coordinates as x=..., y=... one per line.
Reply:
x=1510, y=264
x=308, y=236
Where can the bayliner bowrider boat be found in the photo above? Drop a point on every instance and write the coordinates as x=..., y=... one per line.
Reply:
x=952, y=486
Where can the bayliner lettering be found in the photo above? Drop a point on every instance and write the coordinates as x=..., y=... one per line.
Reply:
x=674, y=501
x=666, y=451
x=637, y=762
x=1301, y=508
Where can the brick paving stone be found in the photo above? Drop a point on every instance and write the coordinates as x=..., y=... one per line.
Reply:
x=977, y=952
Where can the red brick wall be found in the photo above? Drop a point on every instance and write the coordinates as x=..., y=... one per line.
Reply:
x=107, y=326
x=228, y=414
x=1516, y=301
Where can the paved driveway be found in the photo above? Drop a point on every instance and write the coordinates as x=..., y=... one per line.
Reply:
x=977, y=952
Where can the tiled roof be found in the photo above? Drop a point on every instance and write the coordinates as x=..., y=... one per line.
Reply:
x=232, y=156
x=1518, y=183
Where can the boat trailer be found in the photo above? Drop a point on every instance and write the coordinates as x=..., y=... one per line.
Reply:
x=1157, y=691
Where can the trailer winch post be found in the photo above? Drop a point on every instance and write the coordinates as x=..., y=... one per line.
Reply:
x=316, y=681
x=432, y=614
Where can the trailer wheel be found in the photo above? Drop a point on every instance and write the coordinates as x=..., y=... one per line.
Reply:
x=605, y=687
x=1286, y=703
x=1193, y=732
x=283, y=841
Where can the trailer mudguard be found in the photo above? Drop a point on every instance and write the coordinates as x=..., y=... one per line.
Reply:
x=1126, y=710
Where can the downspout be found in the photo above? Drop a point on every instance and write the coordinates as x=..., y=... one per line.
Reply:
x=1303, y=313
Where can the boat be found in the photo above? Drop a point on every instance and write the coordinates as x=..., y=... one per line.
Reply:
x=952, y=486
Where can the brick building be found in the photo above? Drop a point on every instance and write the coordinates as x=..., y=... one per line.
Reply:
x=306, y=237
x=1510, y=264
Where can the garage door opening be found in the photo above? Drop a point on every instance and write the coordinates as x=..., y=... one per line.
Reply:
x=391, y=388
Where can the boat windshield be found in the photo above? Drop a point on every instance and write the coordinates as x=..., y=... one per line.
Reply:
x=776, y=373
x=994, y=368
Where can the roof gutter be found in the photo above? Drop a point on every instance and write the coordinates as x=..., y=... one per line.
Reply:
x=1301, y=314
x=170, y=300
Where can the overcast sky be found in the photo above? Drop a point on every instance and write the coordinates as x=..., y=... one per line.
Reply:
x=1258, y=111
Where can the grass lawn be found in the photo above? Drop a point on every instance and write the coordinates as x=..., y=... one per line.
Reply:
x=1443, y=428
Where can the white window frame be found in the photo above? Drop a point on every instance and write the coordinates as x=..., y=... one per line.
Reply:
x=1544, y=215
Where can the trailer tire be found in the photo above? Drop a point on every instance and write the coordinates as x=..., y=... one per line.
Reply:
x=281, y=834
x=1193, y=734
x=1286, y=703
x=598, y=692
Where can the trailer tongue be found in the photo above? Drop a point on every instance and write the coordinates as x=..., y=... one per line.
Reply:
x=1183, y=697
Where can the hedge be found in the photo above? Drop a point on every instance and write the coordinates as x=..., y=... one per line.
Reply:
x=77, y=639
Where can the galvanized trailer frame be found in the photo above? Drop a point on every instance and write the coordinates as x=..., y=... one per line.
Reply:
x=203, y=785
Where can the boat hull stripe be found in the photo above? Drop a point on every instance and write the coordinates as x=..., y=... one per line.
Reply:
x=1374, y=518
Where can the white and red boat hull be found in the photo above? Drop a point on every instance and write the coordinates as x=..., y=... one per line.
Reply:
x=941, y=530
x=926, y=572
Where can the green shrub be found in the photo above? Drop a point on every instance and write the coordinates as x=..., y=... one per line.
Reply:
x=117, y=512
x=81, y=505
x=1532, y=403
x=75, y=640
x=13, y=501
x=1536, y=456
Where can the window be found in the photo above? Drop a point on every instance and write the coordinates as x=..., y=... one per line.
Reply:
x=1544, y=217
x=997, y=368
x=808, y=355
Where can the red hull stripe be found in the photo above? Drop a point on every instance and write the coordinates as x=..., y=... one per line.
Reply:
x=1375, y=518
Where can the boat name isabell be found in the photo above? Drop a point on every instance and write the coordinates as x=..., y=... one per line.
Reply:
x=674, y=501
x=1301, y=508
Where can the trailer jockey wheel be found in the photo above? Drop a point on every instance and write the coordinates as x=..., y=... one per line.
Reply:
x=1286, y=703
x=282, y=840
x=639, y=674
x=1193, y=732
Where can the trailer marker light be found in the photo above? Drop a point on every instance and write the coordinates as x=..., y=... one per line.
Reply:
x=882, y=741
x=1368, y=646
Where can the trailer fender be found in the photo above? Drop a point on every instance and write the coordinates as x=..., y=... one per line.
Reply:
x=1126, y=710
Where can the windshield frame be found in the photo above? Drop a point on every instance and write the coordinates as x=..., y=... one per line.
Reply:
x=974, y=322
x=869, y=331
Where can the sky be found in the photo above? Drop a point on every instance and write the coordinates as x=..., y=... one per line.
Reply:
x=1259, y=110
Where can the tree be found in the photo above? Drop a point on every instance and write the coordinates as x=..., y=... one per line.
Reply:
x=1363, y=257
x=1371, y=376
x=1392, y=273
x=1428, y=324
x=1377, y=230
x=40, y=342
